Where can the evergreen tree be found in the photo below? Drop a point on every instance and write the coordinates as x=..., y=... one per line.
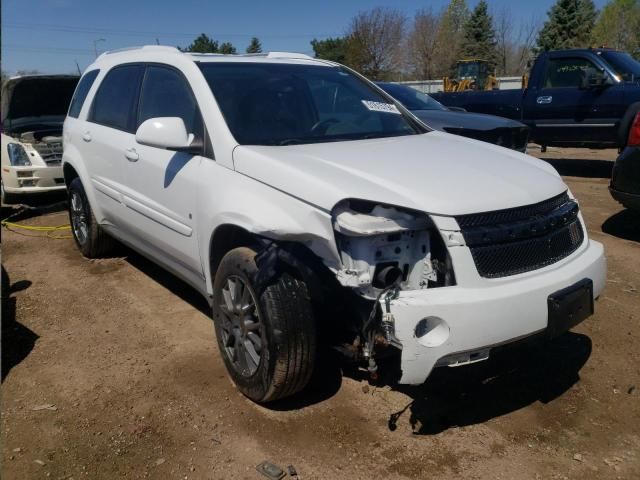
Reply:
x=479, y=35
x=570, y=25
x=227, y=48
x=202, y=44
x=449, y=38
x=333, y=49
x=255, y=46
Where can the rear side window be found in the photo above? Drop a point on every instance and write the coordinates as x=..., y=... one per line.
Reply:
x=115, y=101
x=81, y=92
x=166, y=93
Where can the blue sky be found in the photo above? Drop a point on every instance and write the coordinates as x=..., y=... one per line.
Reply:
x=52, y=35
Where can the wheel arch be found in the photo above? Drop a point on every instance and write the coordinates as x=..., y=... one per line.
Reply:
x=69, y=173
x=224, y=238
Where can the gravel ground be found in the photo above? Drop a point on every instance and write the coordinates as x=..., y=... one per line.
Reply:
x=110, y=370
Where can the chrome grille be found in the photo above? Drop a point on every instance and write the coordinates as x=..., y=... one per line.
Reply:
x=50, y=152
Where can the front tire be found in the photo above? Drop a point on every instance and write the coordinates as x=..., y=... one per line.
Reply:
x=267, y=341
x=90, y=238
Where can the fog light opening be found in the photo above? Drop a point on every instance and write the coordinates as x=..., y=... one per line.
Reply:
x=432, y=331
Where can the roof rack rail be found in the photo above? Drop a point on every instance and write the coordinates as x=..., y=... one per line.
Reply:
x=165, y=48
x=288, y=55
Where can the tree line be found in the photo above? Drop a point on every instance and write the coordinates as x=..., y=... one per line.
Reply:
x=383, y=44
x=204, y=44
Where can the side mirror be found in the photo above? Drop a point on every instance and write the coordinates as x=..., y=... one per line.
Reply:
x=169, y=133
x=595, y=79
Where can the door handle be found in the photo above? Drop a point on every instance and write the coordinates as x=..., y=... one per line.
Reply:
x=131, y=155
x=86, y=136
x=544, y=100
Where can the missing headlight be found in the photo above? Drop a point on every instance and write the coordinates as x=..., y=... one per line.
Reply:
x=379, y=243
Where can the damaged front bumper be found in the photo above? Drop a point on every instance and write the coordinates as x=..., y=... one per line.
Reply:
x=458, y=325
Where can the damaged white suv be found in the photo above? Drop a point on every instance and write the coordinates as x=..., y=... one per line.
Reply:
x=33, y=109
x=310, y=208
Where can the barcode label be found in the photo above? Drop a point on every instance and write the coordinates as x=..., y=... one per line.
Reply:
x=381, y=107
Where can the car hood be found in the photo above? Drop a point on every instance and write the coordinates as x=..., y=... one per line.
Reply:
x=34, y=98
x=442, y=119
x=434, y=172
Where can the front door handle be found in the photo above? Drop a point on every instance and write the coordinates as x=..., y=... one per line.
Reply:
x=131, y=155
x=544, y=100
x=86, y=136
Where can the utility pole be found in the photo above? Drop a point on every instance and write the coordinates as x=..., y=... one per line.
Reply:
x=95, y=45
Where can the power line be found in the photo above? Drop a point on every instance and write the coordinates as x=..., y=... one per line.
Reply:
x=138, y=33
x=61, y=50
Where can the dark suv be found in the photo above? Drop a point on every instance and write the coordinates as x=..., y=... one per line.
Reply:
x=625, y=180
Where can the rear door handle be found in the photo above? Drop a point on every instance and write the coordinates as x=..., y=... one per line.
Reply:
x=131, y=155
x=86, y=136
x=544, y=100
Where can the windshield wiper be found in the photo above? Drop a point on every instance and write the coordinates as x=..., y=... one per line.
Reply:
x=293, y=141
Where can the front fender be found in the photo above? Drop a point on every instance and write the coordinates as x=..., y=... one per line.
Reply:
x=264, y=211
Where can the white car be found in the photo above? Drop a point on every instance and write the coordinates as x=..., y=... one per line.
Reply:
x=311, y=209
x=33, y=110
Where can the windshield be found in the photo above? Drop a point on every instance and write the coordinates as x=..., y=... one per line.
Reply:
x=625, y=66
x=285, y=104
x=468, y=70
x=411, y=98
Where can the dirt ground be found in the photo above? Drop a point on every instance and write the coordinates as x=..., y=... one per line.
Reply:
x=110, y=370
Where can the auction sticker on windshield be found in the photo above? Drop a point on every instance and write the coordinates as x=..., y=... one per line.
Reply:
x=381, y=107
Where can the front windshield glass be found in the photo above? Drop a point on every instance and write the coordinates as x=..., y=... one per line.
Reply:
x=468, y=70
x=411, y=98
x=624, y=65
x=286, y=104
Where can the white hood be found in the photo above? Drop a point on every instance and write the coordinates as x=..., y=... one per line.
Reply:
x=435, y=172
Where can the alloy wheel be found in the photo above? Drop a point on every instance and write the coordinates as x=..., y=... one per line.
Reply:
x=79, y=218
x=242, y=330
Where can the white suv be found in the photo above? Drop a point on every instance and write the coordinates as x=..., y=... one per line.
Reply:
x=310, y=208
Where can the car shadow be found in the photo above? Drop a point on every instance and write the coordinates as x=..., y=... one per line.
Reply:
x=169, y=281
x=325, y=382
x=326, y=379
x=177, y=163
x=34, y=208
x=514, y=377
x=586, y=168
x=625, y=224
x=17, y=340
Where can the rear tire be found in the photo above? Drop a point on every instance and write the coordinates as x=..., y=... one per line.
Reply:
x=90, y=238
x=275, y=332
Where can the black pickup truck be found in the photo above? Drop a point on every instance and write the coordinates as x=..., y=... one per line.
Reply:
x=575, y=98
